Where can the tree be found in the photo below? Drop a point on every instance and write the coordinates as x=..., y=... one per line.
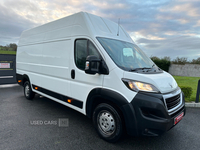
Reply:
x=154, y=58
x=9, y=47
x=13, y=46
x=166, y=58
x=196, y=61
x=180, y=60
x=162, y=63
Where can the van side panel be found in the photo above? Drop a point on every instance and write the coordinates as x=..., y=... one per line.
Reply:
x=29, y=59
x=55, y=72
x=51, y=31
x=46, y=55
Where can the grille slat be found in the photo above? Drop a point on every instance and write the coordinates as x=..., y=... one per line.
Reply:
x=173, y=101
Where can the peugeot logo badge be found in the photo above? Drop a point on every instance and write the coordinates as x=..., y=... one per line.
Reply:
x=171, y=85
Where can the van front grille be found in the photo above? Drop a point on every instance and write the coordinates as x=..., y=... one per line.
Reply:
x=173, y=101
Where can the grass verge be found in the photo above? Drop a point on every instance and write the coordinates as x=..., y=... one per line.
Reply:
x=8, y=52
x=188, y=81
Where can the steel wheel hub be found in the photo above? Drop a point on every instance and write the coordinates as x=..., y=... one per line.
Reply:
x=106, y=122
x=27, y=90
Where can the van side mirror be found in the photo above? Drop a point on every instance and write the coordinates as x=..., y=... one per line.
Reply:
x=95, y=65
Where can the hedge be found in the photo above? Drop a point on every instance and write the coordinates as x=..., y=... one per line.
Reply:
x=187, y=91
x=162, y=63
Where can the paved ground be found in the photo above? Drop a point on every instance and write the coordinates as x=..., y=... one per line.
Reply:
x=35, y=125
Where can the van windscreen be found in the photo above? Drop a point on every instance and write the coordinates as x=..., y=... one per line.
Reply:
x=127, y=56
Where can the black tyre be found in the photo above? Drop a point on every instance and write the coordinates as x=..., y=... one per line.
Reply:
x=107, y=122
x=28, y=93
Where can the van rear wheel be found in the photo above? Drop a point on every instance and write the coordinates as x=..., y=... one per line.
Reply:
x=28, y=93
x=107, y=123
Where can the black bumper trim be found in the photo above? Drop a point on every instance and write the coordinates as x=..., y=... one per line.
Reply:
x=151, y=115
x=61, y=97
x=19, y=77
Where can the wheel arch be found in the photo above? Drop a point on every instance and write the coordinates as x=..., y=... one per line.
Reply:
x=25, y=78
x=125, y=109
x=100, y=95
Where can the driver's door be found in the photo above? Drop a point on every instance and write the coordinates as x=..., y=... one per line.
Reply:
x=81, y=83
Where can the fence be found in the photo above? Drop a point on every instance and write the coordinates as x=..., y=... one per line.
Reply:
x=7, y=69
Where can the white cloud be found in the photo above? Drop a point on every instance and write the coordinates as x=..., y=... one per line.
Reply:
x=197, y=24
x=160, y=27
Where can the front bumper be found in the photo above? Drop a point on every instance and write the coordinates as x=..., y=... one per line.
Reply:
x=150, y=114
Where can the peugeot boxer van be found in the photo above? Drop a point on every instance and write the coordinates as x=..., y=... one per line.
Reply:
x=92, y=65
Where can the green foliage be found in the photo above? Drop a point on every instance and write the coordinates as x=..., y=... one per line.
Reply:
x=188, y=81
x=9, y=47
x=196, y=61
x=187, y=91
x=165, y=61
x=162, y=63
x=8, y=52
x=180, y=60
x=183, y=61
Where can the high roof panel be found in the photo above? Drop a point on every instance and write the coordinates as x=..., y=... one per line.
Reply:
x=79, y=24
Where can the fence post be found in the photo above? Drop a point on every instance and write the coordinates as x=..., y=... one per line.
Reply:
x=198, y=92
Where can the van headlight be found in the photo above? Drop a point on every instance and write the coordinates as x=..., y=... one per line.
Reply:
x=140, y=86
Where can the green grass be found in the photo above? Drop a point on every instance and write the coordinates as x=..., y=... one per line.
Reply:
x=5, y=69
x=8, y=52
x=188, y=81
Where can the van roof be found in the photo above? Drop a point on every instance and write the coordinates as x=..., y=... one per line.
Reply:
x=79, y=24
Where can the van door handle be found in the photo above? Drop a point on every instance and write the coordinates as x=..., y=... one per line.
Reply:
x=73, y=74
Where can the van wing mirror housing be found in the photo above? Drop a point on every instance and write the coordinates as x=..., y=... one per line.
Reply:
x=95, y=65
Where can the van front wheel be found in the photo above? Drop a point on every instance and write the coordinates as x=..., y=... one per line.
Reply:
x=107, y=122
x=28, y=93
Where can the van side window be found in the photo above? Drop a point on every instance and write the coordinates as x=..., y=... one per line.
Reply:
x=84, y=48
x=93, y=50
x=80, y=53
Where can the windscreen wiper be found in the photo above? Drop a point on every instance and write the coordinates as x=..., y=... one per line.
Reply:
x=136, y=69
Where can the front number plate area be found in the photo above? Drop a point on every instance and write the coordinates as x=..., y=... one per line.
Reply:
x=178, y=118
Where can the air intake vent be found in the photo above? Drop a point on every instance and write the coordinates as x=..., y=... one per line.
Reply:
x=173, y=101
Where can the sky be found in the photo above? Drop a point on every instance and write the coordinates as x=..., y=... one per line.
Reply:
x=159, y=27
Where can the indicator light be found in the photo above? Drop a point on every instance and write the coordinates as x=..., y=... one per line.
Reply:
x=69, y=100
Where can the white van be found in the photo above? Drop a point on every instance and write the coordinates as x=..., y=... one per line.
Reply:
x=91, y=64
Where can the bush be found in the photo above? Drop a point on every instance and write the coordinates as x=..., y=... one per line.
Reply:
x=9, y=47
x=177, y=60
x=180, y=61
x=187, y=91
x=162, y=63
x=196, y=61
